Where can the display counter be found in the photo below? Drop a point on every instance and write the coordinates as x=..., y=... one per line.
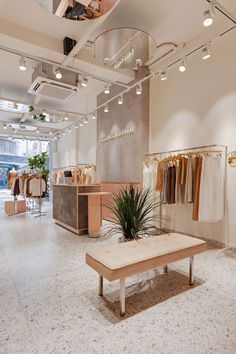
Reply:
x=78, y=208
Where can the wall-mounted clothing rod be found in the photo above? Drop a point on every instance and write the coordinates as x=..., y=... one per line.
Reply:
x=187, y=149
x=75, y=166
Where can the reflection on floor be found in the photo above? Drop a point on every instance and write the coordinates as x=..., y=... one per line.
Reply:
x=49, y=302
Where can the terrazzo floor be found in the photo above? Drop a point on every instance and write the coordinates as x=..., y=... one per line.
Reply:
x=49, y=302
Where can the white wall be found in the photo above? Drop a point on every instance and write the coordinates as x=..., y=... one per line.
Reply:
x=67, y=149
x=88, y=142
x=195, y=108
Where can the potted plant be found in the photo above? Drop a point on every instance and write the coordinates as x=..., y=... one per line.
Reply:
x=135, y=213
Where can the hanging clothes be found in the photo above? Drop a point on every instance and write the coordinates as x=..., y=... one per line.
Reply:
x=197, y=168
x=211, y=199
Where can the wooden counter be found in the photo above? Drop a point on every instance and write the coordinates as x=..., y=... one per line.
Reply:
x=75, y=210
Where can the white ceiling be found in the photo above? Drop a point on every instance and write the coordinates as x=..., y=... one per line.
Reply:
x=26, y=27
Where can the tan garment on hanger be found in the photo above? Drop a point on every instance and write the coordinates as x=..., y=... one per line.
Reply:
x=197, y=182
x=160, y=177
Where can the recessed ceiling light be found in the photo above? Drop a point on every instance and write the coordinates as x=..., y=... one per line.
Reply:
x=22, y=64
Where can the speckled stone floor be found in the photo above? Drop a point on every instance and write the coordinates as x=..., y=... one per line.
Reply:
x=49, y=302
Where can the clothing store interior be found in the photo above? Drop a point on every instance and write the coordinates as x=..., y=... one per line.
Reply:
x=117, y=177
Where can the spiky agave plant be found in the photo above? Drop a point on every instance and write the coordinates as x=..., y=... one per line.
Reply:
x=135, y=213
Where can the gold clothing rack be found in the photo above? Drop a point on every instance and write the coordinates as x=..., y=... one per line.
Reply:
x=187, y=149
x=195, y=148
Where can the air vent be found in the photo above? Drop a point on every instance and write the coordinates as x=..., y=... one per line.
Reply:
x=52, y=89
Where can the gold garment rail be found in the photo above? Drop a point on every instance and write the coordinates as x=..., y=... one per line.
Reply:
x=188, y=149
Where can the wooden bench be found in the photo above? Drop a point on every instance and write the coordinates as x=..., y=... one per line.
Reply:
x=122, y=260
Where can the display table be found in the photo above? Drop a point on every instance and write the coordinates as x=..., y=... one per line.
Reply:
x=78, y=208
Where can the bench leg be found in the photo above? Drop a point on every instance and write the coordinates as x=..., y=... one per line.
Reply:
x=100, y=287
x=122, y=297
x=166, y=269
x=191, y=262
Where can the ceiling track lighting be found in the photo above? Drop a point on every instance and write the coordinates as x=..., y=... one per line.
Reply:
x=206, y=51
x=57, y=73
x=163, y=75
x=76, y=126
x=94, y=115
x=209, y=14
x=182, y=66
x=81, y=124
x=107, y=89
x=120, y=99
x=106, y=109
x=85, y=120
x=22, y=64
x=84, y=82
x=139, y=89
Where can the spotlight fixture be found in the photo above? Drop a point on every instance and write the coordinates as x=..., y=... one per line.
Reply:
x=106, y=109
x=69, y=130
x=120, y=99
x=139, y=63
x=85, y=120
x=50, y=133
x=206, y=52
x=107, y=89
x=81, y=124
x=106, y=61
x=63, y=133
x=182, y=66
x=76, y=126
x=37, y=131
x=139, y=89
x=207, y=18
x=163, y=75
x=94, y=115
x=84, y=82
x=10, y=138
x=66, y=117
x=58, y=74
x=22, y=64
x=5, y=127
